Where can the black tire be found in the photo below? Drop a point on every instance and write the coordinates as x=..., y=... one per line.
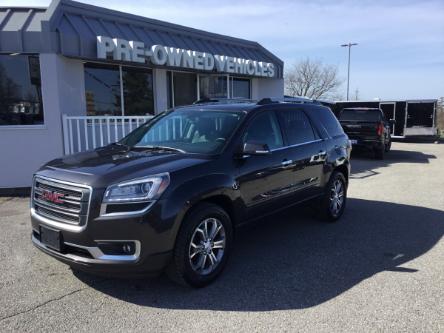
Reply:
x=327, y=213
x=388, y=145
x=181, y=268
x=379, y=153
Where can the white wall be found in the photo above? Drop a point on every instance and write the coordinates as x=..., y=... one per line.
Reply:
x=24, y=149
x=265, y=87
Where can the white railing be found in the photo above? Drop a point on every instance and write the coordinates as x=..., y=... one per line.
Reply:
x=81, y=133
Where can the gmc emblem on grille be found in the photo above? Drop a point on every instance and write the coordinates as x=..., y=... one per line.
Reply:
x=52, y=196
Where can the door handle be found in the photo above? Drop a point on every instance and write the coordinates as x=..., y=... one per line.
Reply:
x=286, y=162
x=319, y=156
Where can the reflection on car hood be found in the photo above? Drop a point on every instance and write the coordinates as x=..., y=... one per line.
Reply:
x=112, y=164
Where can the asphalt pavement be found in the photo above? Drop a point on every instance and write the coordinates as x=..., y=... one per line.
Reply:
x=380, y=268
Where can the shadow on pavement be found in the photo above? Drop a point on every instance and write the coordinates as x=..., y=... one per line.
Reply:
x=292, y=261
x=364, y=165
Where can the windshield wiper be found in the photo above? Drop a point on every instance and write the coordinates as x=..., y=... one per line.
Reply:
x=162, y=148
x=119, y=144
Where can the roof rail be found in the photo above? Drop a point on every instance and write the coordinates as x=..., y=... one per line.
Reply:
x=286, y=99
x=223, y=101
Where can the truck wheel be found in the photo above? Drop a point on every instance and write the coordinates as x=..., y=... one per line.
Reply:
x=379, y=153
x=335, y=198
x=202, y=246
x=388, y=146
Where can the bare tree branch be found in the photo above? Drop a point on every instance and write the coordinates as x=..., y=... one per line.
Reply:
x=312, y=79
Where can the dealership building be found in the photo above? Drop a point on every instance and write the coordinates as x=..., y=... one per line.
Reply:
x=74, y=77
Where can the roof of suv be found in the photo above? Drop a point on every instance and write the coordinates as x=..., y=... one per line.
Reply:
x=233, y=107
x=239, y=107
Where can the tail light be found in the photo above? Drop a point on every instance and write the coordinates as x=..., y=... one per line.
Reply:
x=380, y=129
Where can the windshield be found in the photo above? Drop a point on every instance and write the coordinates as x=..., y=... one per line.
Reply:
x=360, y=115
x=187, y=130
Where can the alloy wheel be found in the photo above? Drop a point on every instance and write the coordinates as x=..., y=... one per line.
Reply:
x=207, y=246
x=336, y=197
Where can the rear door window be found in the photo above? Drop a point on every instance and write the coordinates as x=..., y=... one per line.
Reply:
x=264, y=129
x=296, y=126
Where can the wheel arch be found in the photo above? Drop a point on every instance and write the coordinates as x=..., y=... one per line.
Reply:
x=344, y=170
x=223, y=201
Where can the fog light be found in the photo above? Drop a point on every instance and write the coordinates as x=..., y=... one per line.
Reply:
x=127, y=248
x=117, y=248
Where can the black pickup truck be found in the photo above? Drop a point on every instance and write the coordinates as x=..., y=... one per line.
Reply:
x=367, y=128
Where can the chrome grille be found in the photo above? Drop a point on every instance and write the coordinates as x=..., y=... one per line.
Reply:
x=60, y=201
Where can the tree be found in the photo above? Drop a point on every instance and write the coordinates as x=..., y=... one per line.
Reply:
x=312, y=79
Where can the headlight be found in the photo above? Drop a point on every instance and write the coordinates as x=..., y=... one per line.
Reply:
x=141, y=189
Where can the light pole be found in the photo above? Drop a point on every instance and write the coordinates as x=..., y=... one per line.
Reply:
x=349, y=45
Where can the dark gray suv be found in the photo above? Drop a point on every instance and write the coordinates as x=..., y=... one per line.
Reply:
x=171, y=193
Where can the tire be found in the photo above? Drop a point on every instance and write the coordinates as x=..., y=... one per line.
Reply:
x=192, y=246
x=327, y=212
x=380, y=152
x=388, y=146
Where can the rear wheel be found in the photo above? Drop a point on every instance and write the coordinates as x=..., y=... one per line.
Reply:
x=388, y=145
x=202, y=247
x=380, y=152
x=335, y=198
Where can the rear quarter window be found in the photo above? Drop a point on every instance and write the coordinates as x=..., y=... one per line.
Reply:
x=329, y=121
x=296, y=126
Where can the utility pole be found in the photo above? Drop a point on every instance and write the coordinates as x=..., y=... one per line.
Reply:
x=349, y=45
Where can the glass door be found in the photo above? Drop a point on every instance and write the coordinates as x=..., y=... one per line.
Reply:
x=182, y=88
x=240, y=88
x=213, y=86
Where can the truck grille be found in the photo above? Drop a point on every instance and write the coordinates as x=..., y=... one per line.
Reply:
x=61, y=202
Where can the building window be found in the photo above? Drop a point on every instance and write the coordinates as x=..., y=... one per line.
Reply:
x=213, y=86
x=182, y=88
x=102, y=89
x=20, y=90
x=117, y=91
x=137, y=91
x=240, y=88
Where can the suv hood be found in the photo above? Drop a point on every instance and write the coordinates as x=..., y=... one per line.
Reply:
x=113, y=164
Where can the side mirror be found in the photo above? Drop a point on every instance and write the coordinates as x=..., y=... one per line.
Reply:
x=252, y=148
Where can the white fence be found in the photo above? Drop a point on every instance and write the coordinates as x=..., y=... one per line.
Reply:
x=81, y=133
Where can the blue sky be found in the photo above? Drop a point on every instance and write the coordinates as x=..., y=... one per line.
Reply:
x=401, y=43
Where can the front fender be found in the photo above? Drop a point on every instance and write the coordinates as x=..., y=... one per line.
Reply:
x=183, y=197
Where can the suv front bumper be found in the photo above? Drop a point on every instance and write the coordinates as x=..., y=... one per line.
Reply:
x=152, y=234
x=150, y=266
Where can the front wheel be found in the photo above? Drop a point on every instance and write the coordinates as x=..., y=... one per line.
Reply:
x=202, y=247
x=335, y=198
